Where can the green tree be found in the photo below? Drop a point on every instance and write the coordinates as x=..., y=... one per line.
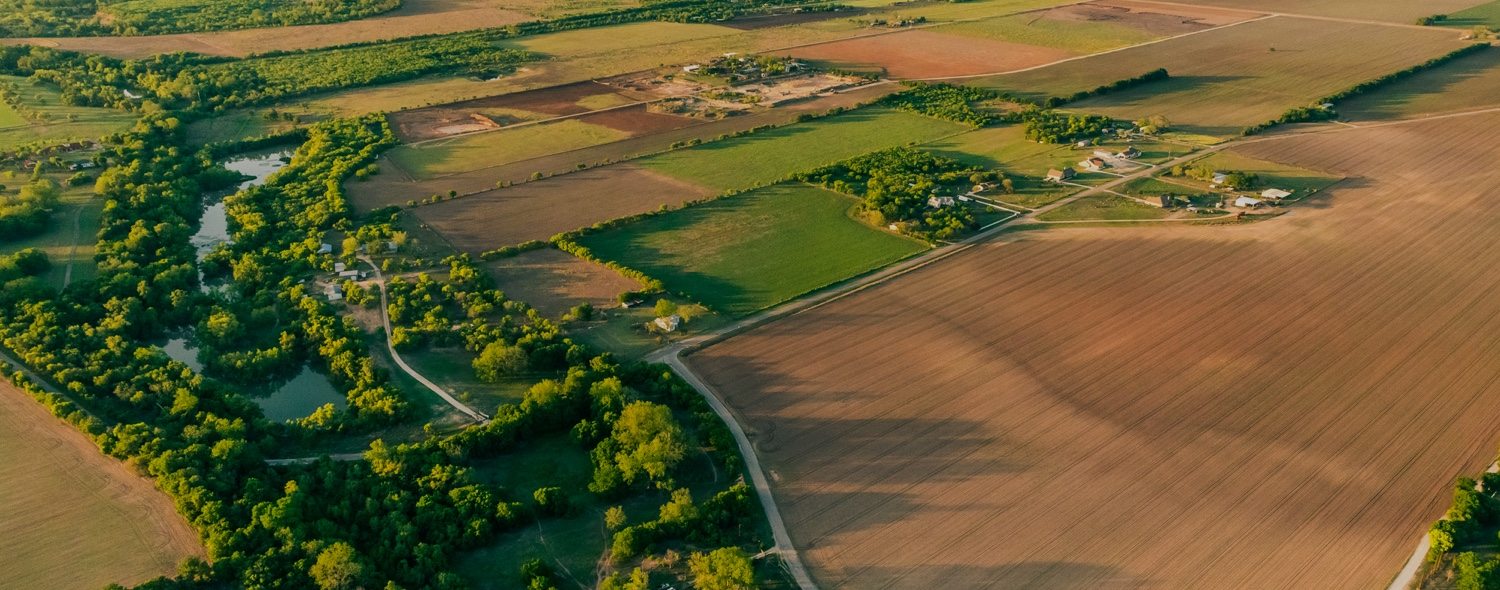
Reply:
x=614, y=518
x=665, y=308
x=338, y=567
x=498, y=361
x=727, y=568
x=651, y=443
x=350, y=246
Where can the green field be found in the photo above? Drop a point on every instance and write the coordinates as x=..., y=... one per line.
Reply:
x=236, y=125
x=69, y=240
x=748, y=252
x=769, y=156
x=1237, y=76
x=60, y=123
x=1104, y=208
x=1466, y=83
x=493, y=148
x=1077, y=36
x=1485, y=15
x=1272, y=175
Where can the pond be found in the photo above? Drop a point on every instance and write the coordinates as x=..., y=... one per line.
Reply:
x=213, y=225
x=296, y=398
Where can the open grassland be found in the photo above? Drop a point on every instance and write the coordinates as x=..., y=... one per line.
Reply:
x=767, y=156
x=395, y=188
x=538, y=210
x=1230, y=78
x=1080, y=35
x=554, y=281
x=1006, y=148
x=1272, y=174
x=1467, y=83
x=1273, y=405
x=482, y=150
x=71, y=234
x=1105, y=208
x=748, y=252
x=9, y=117
x=59, y=122
x=1394, y=11
x=925, y=53
x=1486, y=15
x=236, y=125
x=71, y=517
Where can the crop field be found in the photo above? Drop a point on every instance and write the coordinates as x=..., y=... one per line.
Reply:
x=1006, y=148
x=538, y=210
x=803, y=238
x=60, y=123
x=1227, y=79
x=927, y=54
x=768, y=156
x=1468, y=83
x=1397, y=11
x=482, y=150
x=554, y=281
x=1272, y=405
x=1105, y=208
x=71, y=517
x=1079, y=28
x=1487, y=14
x=395, y=189
x=543, y=103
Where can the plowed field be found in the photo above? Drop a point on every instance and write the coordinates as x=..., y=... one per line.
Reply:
x=1275, y=405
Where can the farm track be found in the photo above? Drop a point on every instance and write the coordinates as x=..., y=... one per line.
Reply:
x=829, y=507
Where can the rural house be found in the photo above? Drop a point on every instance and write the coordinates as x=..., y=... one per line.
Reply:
x=1093, y=164
x=669, y=323
x=1055, y=175
x=936, y=201
x=1130, y=153
x=1220, y=178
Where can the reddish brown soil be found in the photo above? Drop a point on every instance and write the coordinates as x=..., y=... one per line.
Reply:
x=636, y=120
x=538, y=210
x=924, y=54
x=751, y=23
x=556, y=101
x=554, y=281
x=1275, y=405
x=1145, y=17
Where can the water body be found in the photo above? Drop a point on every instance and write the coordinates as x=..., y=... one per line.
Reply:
x=309, y=389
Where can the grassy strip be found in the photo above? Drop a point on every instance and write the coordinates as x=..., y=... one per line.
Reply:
x=1318, y=112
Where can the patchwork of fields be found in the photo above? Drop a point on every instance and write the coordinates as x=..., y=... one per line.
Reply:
x=1271, y=405
x=744, y=253
x=59, y=122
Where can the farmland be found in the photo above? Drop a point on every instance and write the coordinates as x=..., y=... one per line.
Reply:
x=1486, y=14
x=553, y=281
x=768, y=156
x=69, y=517
x=923, y=53
x=537, y=210
x=804, y=239
x=1467, y=83
x=46, y=120
x=473, y=152
x=1240, y=75
x=1395, y=11
x=1031, y=435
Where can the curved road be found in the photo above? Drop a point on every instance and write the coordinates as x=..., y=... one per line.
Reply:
x=385, y=321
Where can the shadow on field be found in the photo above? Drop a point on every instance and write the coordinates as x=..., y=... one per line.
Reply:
x=1029, y=574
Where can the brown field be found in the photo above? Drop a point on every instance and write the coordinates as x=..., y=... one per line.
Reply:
x=1467, y=83
x=71, y=517
x=554, y=281
x=415, y=17
x=925, y=54
x=1274, y=405
x=538, y=210
x=1226, y=79
x=1214, y=17
x=395, y=188
x=544, y=103
x=1396, y=11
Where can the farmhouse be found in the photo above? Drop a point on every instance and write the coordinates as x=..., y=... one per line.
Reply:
x=936, y=202
x=1163, y=201
x=1130, y=153
x=669, y=323
x=1055, y=175
x=325, y=248
x=1274, y=194
x=1220, y=178
x=339, y=267
x=1248, y=203
x=1093, y=164
x=334, y=293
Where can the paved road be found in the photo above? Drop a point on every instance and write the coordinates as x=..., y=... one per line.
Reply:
x=385, y=321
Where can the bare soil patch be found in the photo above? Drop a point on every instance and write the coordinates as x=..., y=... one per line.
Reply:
x=415, y=17
x=538, y=210
x=750, y=23
x=1142, y=17
x=1275, y=405
x=554, y=281
x=923, y=54
x=637, y=120
x=1207, y=15
x=71, y=517
x=501, y=111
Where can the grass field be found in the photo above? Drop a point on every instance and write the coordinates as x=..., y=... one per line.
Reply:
x=1105, y=208
x=71, y=517
x=1227, y=79
x=9, y=117
x=1174, y=407
x=1078, y=36
x=69, y=240
x=494, y=148
x=554, y=281
x=769, y=156
x=1486, y=14
x=1468, y=83
x=1272, y=174
x=1397, y=11
x=234, y=126
x=745, y=253
x=62, y=123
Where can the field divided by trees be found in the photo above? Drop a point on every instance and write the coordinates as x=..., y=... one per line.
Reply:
x=1469, y=82
x=1394, y=11
x=1281, y=404
x=1228, y=79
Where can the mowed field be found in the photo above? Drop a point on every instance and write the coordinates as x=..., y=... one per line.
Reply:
x=554, y=281
x=60, y=123
x=926, y=54
x=1468, y=83
x=1274, y=405
x=538, y=210
x=1233, y=77
x=71, y=517
x=747, y=252
x=1395, y=11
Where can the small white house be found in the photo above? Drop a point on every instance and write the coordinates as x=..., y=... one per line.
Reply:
x=1130, y=153
x=334, y=293
x=1093, y=164
x=692, y=68
x=1247, y=203
x=349, y=274
x=669, y=323
x=340, y=267
x=1274, y=194
x=936, y=201
x=325, y=248
x=1220, y=178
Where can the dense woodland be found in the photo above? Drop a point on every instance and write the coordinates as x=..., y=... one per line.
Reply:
x=56, y=18
x=896, y=184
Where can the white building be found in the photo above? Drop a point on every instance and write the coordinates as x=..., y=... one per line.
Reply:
x=1274, y=194
x=669, y=323
x=936, y=202
x=1247, y=203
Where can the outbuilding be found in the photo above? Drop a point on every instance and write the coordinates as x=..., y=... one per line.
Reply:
x=669, y=323
x=1248, y=203
x=1055, y=175
x=936, y=202
x=1274, y=194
